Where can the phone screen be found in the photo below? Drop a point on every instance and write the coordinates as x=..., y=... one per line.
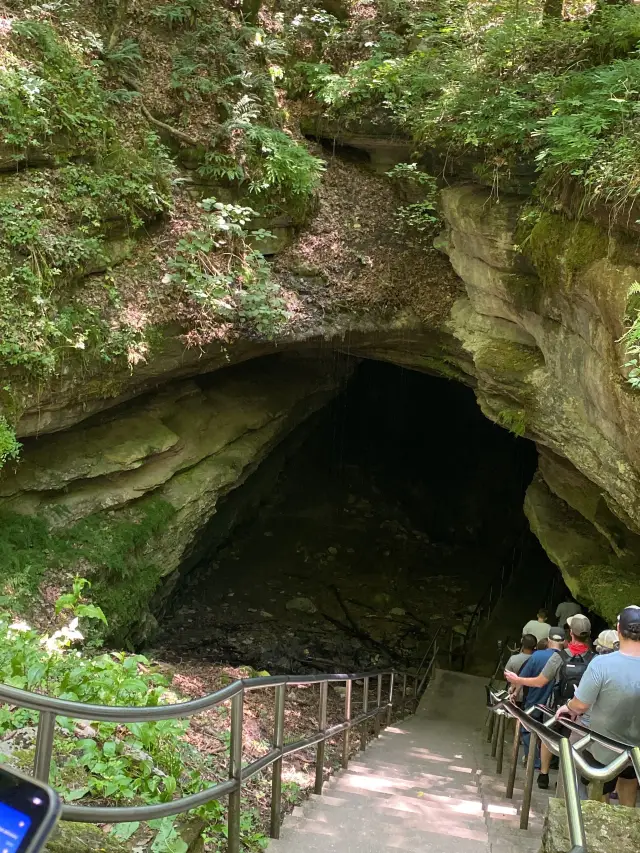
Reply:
x=14, y=826
x=28, y=812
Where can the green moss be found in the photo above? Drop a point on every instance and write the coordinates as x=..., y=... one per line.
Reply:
x=108, y=546
x=507, y=358
x=610, y=588
x=83, y=838
x=559, y=248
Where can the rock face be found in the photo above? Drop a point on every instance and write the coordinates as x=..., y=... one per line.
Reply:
x=607, y=828
x=542, y=327
x=536, y=335
x=175, y=455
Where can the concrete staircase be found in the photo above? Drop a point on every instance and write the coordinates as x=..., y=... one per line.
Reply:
x=427, y=785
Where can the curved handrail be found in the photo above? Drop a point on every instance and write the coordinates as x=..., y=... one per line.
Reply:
x=50, y=707
x=153, y=713
x=570, y=758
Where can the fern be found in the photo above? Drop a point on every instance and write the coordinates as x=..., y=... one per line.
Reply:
x=125, y=56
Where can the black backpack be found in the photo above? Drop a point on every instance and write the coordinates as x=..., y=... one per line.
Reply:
x=571, y=670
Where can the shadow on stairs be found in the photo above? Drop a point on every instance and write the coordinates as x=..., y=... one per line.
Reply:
x=427, y=785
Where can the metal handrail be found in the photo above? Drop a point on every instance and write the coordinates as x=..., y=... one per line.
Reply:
x=380, y=713
x=569, y=754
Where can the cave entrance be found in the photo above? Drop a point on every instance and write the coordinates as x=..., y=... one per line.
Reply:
x=390, y=516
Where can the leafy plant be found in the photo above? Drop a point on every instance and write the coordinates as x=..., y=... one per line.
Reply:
x=218, y=269
x=631, y=338
x=515, y=420
x=9, y=444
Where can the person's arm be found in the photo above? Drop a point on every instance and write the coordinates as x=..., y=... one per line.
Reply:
x=558, y=611
x=548, y=674
x=536, y=681
x=586, y=693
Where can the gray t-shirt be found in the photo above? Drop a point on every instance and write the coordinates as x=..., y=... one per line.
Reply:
x=611, y=686
x=564, y=610
x=540, y=630
x=552, y=666
x=516, y=662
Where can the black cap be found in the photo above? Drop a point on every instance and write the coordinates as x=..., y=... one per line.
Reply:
x=556, y=634
x=629, y=619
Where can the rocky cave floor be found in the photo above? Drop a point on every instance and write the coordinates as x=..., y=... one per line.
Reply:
x=386, y=523
x=333, y=574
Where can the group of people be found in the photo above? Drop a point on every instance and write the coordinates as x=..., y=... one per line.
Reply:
x=599, y=682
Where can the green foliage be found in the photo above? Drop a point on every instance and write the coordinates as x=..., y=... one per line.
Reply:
x=177, y=13
x=272, y=165
x=515, y=420
x=54, y=95
x=631, y=338
x=54, y=227
x=218, y=269
x=502, y=81
x=138, y=763
x=421, y=215
x=9, y=444
x=113, y=548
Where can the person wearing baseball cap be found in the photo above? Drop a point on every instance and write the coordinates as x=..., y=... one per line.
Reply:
x=610, y=692
x=538, y=695
x=607, y=642
x=552, y=674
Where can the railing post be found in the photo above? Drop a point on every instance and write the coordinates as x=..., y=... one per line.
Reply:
x=515, y=752
x=44, y=746
x=495, y=735
x=416, y=691
x=572, y=798
x=376, y=719
x=346, y=739
x=635, y=760
x=322, y=726
x=365, y=708
x=502, y=724
x=404, y=695
x=528, y=785
x=491, y=726
x=235, y=772
x=390, y=702
x=276, y=777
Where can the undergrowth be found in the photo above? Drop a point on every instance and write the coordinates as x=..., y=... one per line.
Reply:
x=138, y=763
x=500, y=82
x=111, y=549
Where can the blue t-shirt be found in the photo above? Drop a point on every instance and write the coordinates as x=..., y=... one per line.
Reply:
x=533, y=667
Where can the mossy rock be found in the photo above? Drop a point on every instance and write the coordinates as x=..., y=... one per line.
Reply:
x=608, y=828
x=504, y=358
x=83, y=838
x=559, y=248
x=610, y=589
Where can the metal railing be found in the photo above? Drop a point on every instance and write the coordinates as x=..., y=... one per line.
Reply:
x=559, y=744
x=490, y=599
x=377, y=706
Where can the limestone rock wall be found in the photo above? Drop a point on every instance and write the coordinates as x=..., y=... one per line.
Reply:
x=542, y=323
x=186, y=448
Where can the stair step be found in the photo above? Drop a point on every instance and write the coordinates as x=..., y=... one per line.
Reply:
x=427, y=785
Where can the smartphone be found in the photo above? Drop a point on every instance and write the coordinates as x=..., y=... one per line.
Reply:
x=29, y=810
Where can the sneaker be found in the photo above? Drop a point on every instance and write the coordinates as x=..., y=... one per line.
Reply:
x=543, y=781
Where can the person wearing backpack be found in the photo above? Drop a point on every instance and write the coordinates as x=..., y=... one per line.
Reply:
x=565, y=670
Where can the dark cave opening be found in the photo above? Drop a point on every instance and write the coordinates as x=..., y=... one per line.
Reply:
x=395, y=507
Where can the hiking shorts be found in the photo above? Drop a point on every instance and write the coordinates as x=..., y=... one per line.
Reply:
x=609, y=787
